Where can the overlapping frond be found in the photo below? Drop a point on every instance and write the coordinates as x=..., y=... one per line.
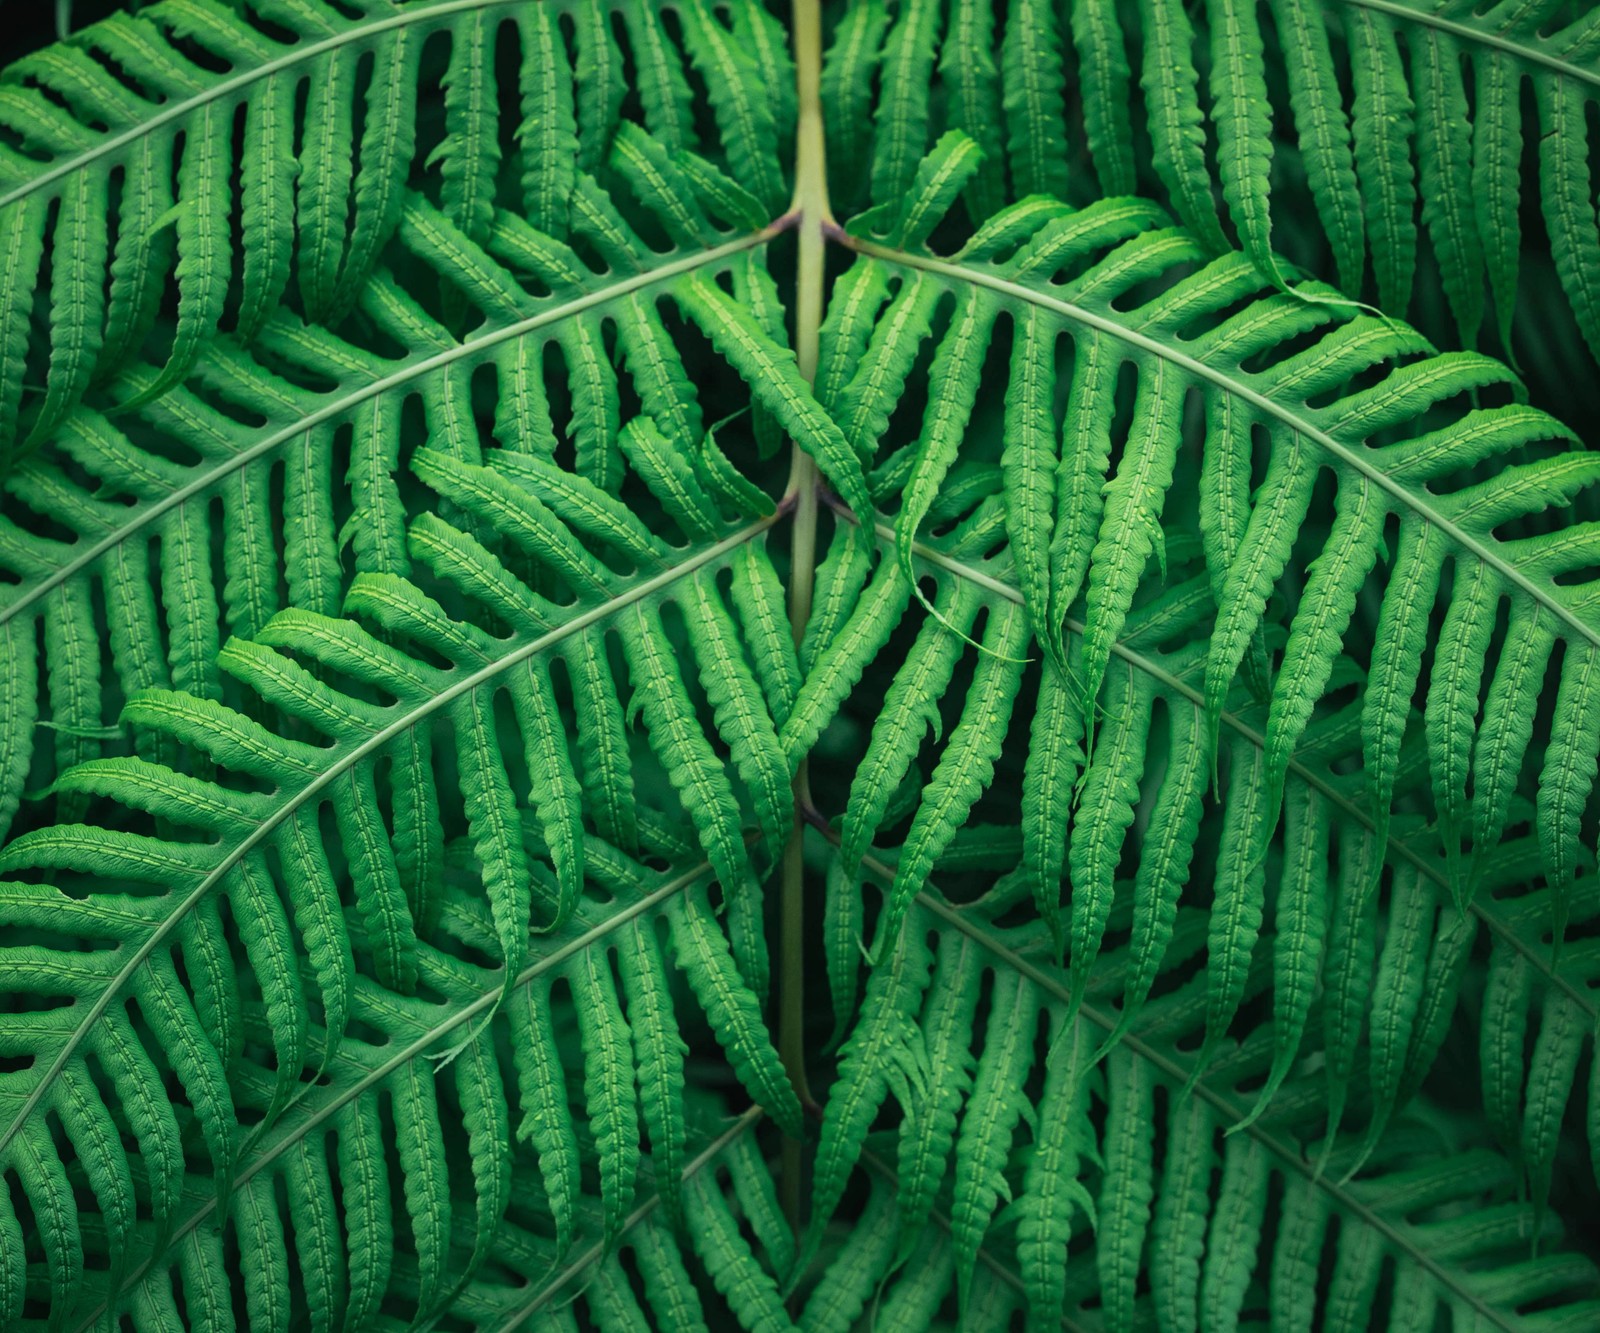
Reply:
x=1121, y=778
x=1190, y=679
x=722, y=1270
x=421, y=1157
x=219, y=160
x=294, y=454
x=1130, y=360
x=1382, y=113
x=330, y=649
x=386, y=738
x=1312, y=902
x=1029, y=1177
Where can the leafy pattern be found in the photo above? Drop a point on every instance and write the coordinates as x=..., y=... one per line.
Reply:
x=1362, y=401
x=1126, y=1176
x=1384, y=112
x=492, y=571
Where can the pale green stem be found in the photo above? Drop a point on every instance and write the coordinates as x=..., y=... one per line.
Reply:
x=811, y=207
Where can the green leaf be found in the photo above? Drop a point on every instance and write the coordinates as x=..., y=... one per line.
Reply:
x=442, y=769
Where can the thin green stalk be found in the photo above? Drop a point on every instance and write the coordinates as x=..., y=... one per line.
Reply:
x=811, y=207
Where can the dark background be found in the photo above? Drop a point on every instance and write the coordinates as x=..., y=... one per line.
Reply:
x=26, y=25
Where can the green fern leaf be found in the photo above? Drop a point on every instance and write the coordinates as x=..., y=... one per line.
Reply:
x=1380, y=117
x=519, y=522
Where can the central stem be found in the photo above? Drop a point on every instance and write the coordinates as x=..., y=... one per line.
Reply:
x=811, y=206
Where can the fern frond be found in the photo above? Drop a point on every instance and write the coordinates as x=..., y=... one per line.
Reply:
x=1371, y=119
x=1094, y=1221
x=706, y=1276
x=117, y=174
x=494, y=589
x=264, y=845
x=449, y=1147
x=418, y=679
x=128, y=502
x=1358, y=402
x=1319, y=899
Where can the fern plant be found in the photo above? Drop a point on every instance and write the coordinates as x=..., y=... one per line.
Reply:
x=1391, y=110
x=655, y=679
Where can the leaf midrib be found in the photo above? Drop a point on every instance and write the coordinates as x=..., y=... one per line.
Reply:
x=1539, y=958
x=326, y=1110
x=353, y=756
x=1341, y=453
x=1510, y=45
x=181, y=108
x=408, y=372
